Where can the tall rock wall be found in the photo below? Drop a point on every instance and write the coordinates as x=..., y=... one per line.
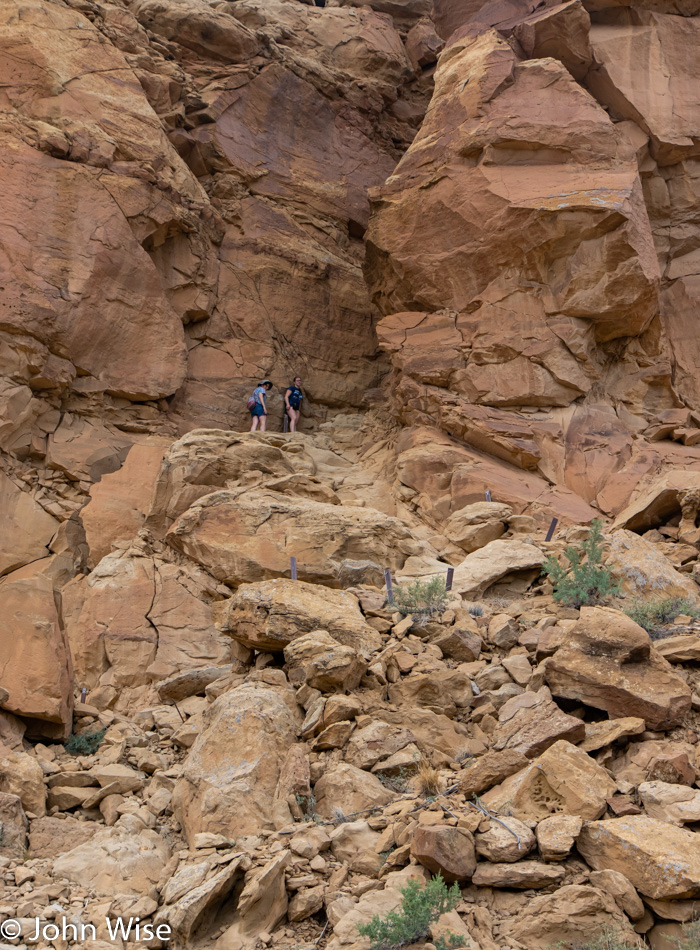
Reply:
x=534, y=253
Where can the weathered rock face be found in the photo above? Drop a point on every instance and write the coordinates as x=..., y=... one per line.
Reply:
x=519, y=236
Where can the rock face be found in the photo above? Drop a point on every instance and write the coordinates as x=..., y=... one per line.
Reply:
x=477, y=243
x=232, y=770
x=609, y=663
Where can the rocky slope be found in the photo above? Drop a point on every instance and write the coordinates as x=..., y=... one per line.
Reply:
x=472, y=228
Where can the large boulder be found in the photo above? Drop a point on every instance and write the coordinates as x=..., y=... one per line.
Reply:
x=608, y=662
x=321, y=662
x=345, y=790
x=445, y=850
x=250, y=536
x=495, y=561
x=563, y=780
x=270, y=614
x=644, y=571
x=21, y=775
x=231, y=773
x=570, y=915
x=37, y=670
x=531, y=722
x=661, y=861
x=116, y=861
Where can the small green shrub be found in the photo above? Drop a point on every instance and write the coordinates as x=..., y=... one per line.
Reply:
x=420, y=907
x=585, y=580
x=86, y=743
x=653, y=614
x=422, y=599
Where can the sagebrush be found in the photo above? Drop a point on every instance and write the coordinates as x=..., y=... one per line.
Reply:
x=421, y=599
x=611, y=938
x=420, y=907
x=653, y=614
x=86, y=743
x=585, y=580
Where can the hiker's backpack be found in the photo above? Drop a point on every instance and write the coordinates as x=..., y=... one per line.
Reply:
x=295, y=397
x=251, y=402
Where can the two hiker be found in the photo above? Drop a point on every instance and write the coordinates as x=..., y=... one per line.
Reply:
x=292, y=404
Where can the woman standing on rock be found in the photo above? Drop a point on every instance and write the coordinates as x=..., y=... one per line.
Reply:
x=257, y=407
x=292, y=402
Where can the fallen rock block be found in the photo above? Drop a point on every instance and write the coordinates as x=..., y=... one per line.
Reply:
x=506, y=841
x=322, y=663
x=557, y=835
x=683, y=649
x=345, y=790
x=21, y=774
x=490, y=769
x=660, y=860
x=13, y=825
x=617, y=885
x=563, y=780
x=268, y=615
x=600, y=734
x=446, y=850
x=231, y=773
x=572, y=915
x=676, y=804
x=115, y=861
x=609, y=663
x=521, y=876
x=531, y=722
x=479, y=570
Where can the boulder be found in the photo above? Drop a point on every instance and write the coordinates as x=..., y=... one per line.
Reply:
x=681, y=649
x=524, y=875
x=115, y=861
x=459, y=644
x=249, y=536
x=497, y=560
x=445, y=850
x=676, y=804
x=571, y=914
x=322, y=663
x=21, y=775
x=444, y=691
x=601, y=734
x=377, y=740
x=268, y=615
x=531, y=722
x=644, y=571
x=27, y=527
x=189, y=896
x=507, y=840
x=609, y=663
x=262, y=904
x=563, y=780
x=660, y=860
x=556, y=836
x=354, y=843
x=489, y=770
x=231, y=772
x=345, y=790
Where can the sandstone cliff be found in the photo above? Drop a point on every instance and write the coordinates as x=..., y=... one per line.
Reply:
x=473, y=228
